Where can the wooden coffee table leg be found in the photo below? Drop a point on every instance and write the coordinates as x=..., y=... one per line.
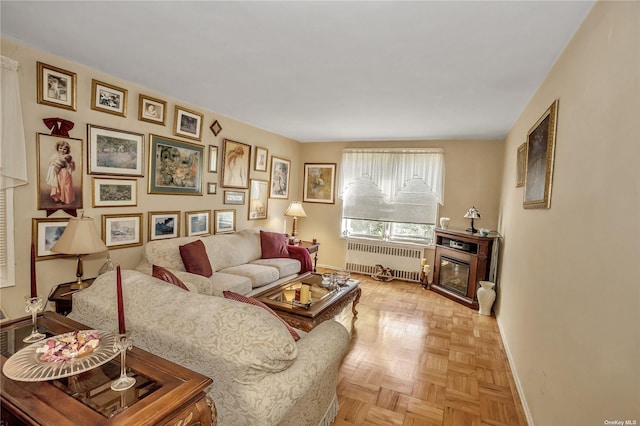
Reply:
x=355, y=302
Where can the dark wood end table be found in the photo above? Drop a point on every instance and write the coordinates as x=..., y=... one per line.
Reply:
x=312, y=248
x=62, y=296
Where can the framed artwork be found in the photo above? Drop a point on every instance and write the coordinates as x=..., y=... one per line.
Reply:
x=164, y=225
x=215, y=128
x=114, y=152
x=59, y=162
x=541, y=141
x=233, y=197
x=152, y=110
x=3, y=315
x=213, y=159
x=198, y=222
x=258, y=199
x=188, y=124
x=45, y=233
x=236, y=162
x=108, y=98
x=56, y=87
x=122, y=230
x=521, y=164
x=319, y=183
x=114, y=192
x=212, y=188
x=260, y=161
x=224, y=221
x=279, y=178
x=175, y=167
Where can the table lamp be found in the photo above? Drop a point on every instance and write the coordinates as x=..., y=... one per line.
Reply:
x=472, y=214
x=79, y=238
x=295, y=210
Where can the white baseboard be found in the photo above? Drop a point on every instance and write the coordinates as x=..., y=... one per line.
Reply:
x=516, y=378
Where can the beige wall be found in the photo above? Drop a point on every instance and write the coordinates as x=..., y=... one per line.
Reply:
x=569, y=292
x=473, y=172
x=54, y=271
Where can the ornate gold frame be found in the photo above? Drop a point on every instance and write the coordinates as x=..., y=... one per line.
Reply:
x=541, y=141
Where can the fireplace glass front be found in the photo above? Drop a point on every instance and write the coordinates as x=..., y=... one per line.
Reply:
x=454, y=275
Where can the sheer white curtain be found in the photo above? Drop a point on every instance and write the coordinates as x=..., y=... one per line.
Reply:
x=393, y=185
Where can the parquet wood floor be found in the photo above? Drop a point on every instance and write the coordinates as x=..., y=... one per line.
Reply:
x=417, y=358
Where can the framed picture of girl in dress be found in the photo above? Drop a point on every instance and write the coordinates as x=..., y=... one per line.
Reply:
x=60, y=166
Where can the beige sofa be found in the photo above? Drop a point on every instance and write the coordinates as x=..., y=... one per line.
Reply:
x=261, y=376
x=236, y=261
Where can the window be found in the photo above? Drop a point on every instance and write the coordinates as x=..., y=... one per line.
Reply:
x=7, y=273
x=391, y=194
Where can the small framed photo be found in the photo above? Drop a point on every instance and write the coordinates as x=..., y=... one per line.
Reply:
x=56, y=87
x=233, y=197
x=175, y=167
x=258, y=199
x=122, y=230
x=59, y=165
x=188, y=124
x=114, y=152
x=319, y=183
x=212, y=188
x=215, y=128
x=213, y=159
x=114, y=192
x=260, y=160
x=521, y=165
x=279, y=178
x=108, y=98
x=198, y=222
x=236, y=162
x=224, y=221
x=152, y=110
x=164, y=225
x=45, y=233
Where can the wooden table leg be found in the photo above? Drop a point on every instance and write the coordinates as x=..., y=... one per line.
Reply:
x=355, y=302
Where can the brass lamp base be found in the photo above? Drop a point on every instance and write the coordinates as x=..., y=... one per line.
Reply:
x=78, y=285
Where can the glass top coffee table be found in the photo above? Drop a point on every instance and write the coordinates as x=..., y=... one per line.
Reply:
x=326, y=302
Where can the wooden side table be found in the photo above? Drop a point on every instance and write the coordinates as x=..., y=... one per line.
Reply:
x=164, y=393
x=312, y=248
x=62, y=296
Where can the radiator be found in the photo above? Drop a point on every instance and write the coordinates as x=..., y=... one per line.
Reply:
x=363, y=256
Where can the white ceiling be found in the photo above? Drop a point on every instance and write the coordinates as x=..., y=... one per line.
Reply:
x=319, y=71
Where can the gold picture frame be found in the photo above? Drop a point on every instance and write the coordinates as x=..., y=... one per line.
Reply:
x=122, y=230
x=152, y=110
x=236, y=161
x=197, y=222
x=56, y=87
x=319, y=183
x=45, y=232
x=163, y=225
x=108, y=98
x=59, y=168
x=521, y=159
x=224, y=221
x=187, y=123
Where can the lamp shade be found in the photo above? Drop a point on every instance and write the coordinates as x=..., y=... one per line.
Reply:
x=473, y=213
x=295, y=209
x=80, y=237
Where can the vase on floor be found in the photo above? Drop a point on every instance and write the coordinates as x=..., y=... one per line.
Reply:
x=486, y=297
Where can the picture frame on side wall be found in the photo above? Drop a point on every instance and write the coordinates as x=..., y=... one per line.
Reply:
x=541, y=142
x=213, y=159
x=212, y=188
x=108, y=192
x=279, y=185
x=188, y=123
x=108, y=98
x=521, y=165
x=152, y=110
x=175, y=167
x=114, y=152
x=258, y=199
x=45, y=232
x=224, y=221
x=235, y=164
x=319, y=183
x=198, y=222
x=164, y=225
x=260, y=162
x=234, y=197
x=59, y=165
x=122, y=230
x=56, y=87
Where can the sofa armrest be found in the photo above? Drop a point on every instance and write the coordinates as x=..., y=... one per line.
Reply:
x=195, y=282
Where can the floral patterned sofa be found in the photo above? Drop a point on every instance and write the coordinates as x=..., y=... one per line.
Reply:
x=237, y=261
x=261, y=375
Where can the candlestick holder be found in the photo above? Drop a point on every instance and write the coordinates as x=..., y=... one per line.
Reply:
x=123, y=343
x=34, y=305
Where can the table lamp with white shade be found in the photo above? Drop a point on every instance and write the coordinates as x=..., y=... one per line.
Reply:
x=295, y=210
x=472, y=214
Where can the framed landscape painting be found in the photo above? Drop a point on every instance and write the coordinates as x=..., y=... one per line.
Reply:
x=319, y=183
x=114, y=192
x=198, y=222
x=108, y=98
x=175, y=167
x=56, y=87
x=188, y=124
x=60, y=163
x=279, y=177
x=235, y=164
x=224, y=221
x=541, y=142
x=115, y=152
x=164, y=225
x=45, y=233
x=122, y=230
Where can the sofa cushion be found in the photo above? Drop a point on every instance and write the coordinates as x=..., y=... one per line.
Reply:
x=164, y=274
x=258, y=274
x=284, y=266
x=235, y=249
x=273, y=245
x=250, y=300
x=194, y=257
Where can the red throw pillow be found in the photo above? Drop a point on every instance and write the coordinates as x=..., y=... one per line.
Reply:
x=194, y=257
x=164, y=275
x=244, y=299
x=273, y=245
